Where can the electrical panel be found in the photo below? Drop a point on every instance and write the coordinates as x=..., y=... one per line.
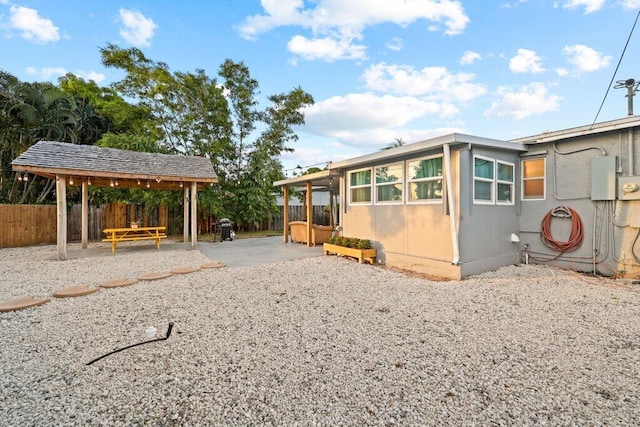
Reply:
x=629, y=188
x=603, y=178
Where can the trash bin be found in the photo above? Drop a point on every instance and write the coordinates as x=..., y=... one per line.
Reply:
x=226, y=229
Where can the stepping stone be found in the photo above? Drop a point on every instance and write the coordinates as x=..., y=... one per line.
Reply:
x=116, y=283
x=212, y=265
x=184, y=270
x=21, y=303
x=75, y=291
x=154, y=276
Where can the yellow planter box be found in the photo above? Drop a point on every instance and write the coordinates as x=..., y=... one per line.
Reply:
x=361, y=255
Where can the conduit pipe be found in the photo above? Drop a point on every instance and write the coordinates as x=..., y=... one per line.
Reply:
x=631, y=160
x=452, y=205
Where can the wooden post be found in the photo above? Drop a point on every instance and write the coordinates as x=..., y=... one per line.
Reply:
x=285, y=214
x=331, y=208
x=185, y=226
x=194, y=215
x=309, y=212
x=61, y=223
x=85, y=215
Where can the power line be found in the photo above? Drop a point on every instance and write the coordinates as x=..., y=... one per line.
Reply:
x=616, y=70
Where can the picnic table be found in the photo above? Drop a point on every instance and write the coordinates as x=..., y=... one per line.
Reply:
x=115, y=235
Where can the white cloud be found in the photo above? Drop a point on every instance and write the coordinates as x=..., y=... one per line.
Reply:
x=32, y=27
x=138, y=29
x=344, y=21
x=47, y=73
x=362, y=112
x=630, y=4
x=586, y=59
x=327, y=48
x=395, y=44
x=529, y=100
x=526, y=61
x=432, y=83
x=562, y=72
x=589, y=5
x=52, y=74
x=470, y=57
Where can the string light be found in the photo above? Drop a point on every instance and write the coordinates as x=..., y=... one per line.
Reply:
x=89, y=181
x=111, y=183
x=181, y=184
x=116, y=182
x=71, y=180
x=148, y=184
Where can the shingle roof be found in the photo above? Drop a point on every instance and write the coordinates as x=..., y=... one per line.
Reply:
x=48, y=158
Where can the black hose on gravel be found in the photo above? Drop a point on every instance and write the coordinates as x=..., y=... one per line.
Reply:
x=134, y=345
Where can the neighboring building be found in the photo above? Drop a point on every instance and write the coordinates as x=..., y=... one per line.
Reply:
x=459, y=205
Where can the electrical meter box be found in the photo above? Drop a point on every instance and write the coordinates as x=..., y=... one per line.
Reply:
x=603, y=178
x=629, y=188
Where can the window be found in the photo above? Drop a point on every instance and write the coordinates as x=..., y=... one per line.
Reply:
x=483, y=173
x=360, y=187
x=493, y=181
x=505, y=183
x=424, y=179
x=389, y=183
x=533, y=179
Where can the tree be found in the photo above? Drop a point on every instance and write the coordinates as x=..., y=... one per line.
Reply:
x=398, y=142
x=31, y=112
x=197, y=115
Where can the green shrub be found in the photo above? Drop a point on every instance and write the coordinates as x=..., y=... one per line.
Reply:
x=350, y=242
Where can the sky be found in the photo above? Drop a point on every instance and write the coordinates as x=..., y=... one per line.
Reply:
x=379, y=70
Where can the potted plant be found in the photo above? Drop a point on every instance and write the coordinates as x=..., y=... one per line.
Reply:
x=361, y=249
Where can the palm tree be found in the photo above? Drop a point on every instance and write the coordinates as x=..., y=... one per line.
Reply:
x=398, y=142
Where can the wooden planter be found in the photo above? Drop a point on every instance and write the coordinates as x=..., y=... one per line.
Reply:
x=361, y=255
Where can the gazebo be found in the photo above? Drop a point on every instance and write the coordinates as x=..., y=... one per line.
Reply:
x=326, y=180
x=90, y=165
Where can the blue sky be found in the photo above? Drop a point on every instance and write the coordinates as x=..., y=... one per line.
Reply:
x=378, y=69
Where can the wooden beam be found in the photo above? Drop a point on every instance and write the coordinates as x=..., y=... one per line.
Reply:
x=309, y=212
x=185, y=226
x=285, y=214
x=61, y=222
x=85, y=215
x=194, y=215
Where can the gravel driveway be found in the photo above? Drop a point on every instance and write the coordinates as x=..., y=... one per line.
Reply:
x=317, y=341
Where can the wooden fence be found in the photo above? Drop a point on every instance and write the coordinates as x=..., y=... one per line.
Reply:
x=27, y=225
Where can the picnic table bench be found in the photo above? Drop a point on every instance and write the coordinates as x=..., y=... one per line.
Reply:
x=115, y=235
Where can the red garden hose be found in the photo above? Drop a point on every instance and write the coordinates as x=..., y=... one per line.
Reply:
x=576, y=236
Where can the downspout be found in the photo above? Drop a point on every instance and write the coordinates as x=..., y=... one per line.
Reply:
x=631, y=160
x=452, y=205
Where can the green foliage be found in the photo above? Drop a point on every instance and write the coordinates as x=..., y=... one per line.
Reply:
x=350, y=242
x=165, y=111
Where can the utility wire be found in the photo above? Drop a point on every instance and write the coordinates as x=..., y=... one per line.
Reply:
x=616, y=70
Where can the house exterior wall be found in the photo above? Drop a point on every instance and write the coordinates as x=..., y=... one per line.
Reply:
x=418, y=237
x=610, y=226
x=485, y=229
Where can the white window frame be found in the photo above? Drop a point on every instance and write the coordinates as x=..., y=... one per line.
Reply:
x=512, y=183
x=370, y=186
x=543, y=178
x=376, y=185
x=434, y=178
x=490, y=180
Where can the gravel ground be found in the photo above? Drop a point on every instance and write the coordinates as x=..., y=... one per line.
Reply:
x=318, y=341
